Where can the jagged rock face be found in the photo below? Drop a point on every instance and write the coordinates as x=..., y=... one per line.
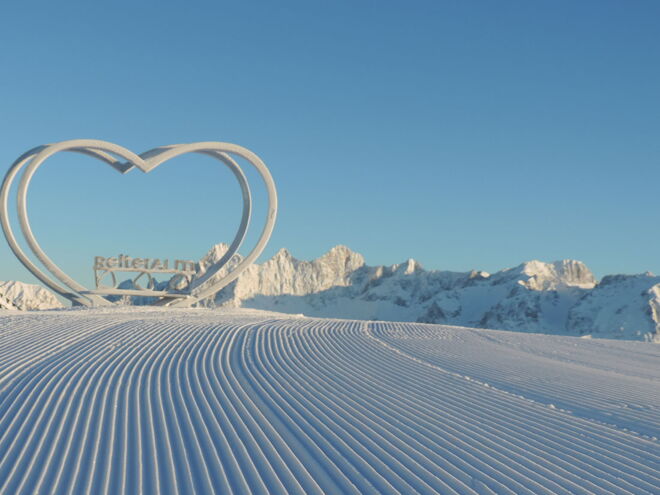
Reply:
x=558, y=297
x=654, y=305
x=622, y=306
x=17, y=295
x=537, y=275
x=284, y=274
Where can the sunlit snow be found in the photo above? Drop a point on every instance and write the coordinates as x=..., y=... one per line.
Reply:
x=140, y=400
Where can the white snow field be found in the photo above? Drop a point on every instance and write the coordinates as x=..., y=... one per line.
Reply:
x=138, y=400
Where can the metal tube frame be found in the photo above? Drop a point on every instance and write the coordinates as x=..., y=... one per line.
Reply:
x=124, y=160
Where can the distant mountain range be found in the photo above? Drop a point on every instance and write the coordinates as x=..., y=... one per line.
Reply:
x=19, y=296
x=562, y=297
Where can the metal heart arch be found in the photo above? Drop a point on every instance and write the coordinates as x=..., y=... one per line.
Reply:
x=124, y=160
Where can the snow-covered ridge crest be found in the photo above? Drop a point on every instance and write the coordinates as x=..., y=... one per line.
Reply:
x=556, y=275
x=284, y=274
x=562, y=297
x=559, y=297
x=20, y=296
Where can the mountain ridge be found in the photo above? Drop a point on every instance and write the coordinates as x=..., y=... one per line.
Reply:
x=534, y=296
x=560, y=297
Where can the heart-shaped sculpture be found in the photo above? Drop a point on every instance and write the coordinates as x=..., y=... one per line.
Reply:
x=123, y=161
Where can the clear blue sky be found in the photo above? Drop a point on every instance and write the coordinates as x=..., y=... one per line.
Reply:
x=464, y=134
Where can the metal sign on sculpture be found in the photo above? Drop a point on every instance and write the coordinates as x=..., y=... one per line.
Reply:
x=186, y=286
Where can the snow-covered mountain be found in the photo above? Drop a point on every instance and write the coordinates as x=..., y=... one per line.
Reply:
x=17, y=295
x=561, y=297
x=625, y=305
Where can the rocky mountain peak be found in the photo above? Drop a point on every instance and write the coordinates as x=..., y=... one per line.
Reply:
x=215, y=253
x=283, y=253
x=538, y=275
x=409, y=267
x=535, y=296
x=18, y=295
x=342, y=256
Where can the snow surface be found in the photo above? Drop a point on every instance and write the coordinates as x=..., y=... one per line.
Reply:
x=141, y=400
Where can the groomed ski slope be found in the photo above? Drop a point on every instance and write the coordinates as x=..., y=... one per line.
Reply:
x=198, y=401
